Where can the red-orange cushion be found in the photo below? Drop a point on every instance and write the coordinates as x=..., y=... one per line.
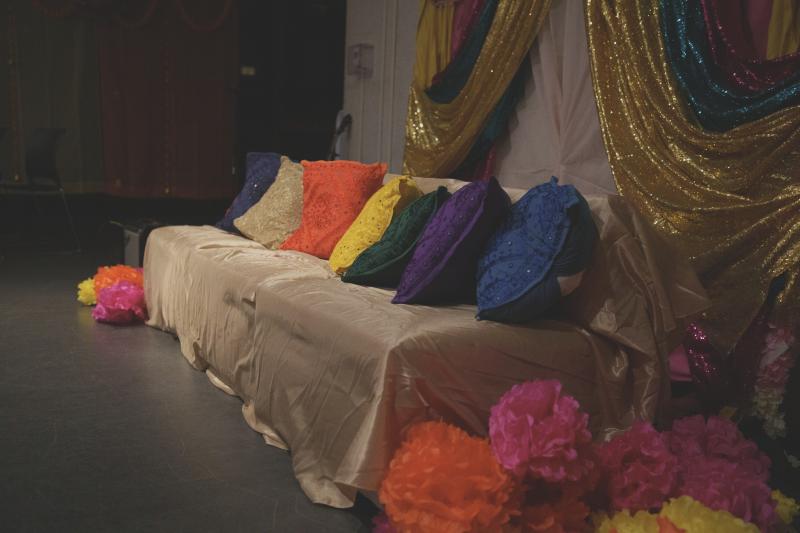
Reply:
x=334, y=192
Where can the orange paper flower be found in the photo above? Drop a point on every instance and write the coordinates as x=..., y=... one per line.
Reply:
x=110, y=275
x=444, y=481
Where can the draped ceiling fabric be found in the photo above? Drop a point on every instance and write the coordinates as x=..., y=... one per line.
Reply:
x=465, y=13
x=441, y=132
x=167, y=73
x=730, y=201
x=434, y=31
x=555, y=131
x=784, y=29
x=716, y=105
x=735, y=56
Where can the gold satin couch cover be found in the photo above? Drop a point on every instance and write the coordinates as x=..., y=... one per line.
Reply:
x=729, y=201
x=334, y=372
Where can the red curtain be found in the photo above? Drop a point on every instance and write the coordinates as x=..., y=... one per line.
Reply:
x=168, y=73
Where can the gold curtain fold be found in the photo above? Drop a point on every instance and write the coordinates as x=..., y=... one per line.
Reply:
x=730, y=201
x=439, y=136
x=434, y=33
x=784, y=28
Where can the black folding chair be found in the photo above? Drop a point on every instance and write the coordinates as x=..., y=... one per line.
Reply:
x=41, y=174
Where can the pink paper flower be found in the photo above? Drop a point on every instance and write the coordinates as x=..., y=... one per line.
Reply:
x=693, y=437
x=639, y=470
x=536, y=431
x=720, y=484
x=121, y=303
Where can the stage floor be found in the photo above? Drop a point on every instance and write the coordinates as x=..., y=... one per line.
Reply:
x=107, y=428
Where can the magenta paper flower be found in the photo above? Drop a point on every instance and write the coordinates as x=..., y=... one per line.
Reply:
x=121, y=303
x=536, y=431
x=720, y=484
x=718, y=437
x=639, y=470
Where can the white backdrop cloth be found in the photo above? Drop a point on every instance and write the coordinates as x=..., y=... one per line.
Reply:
x=556, y=130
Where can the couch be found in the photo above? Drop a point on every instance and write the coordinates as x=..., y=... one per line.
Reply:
x=334, y=372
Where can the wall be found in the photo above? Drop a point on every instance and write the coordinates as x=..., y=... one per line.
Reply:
x=378, y=104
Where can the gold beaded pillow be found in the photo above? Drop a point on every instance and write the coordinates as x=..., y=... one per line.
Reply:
x=279, y=212
x=371, y=223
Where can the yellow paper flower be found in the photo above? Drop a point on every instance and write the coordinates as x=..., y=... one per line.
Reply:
x=86, y=294
x=691, y=515
x=787, y=507
x=623, y=522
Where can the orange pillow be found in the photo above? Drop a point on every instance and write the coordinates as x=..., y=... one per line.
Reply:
x=334, y=192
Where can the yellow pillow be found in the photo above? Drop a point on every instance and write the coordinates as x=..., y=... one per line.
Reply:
x=372, y=221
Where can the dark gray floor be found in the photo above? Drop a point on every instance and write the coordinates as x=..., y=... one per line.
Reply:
x=107, y=428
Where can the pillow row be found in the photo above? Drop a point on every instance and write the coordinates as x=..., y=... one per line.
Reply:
x=435, y=248
x=309, y=206
x=518, y=262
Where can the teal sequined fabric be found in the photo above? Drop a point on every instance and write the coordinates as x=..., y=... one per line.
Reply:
x=382, y=264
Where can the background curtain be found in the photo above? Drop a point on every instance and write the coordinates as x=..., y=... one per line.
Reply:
x=53, y=82
x=555, y=130
x=168, y=74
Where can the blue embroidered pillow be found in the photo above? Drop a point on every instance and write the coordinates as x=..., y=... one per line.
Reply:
x=550, y=233
x=261, y=171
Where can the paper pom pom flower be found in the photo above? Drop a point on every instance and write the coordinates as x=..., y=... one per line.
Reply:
x=624, y=522
x=381, y=524
x=718, y=437
x=443, y=480
x=692, y=516
x=110, y=275
x=564, y=516
x=536, y=431
x=787, y=508
x=122, y=303
x=86, y=294
x=722, y=485
x=639, y=470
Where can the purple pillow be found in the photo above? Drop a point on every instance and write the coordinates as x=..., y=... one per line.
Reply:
x=445, y=261
x=262, y=167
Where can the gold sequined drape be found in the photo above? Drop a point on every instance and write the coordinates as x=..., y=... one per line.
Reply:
x=439, y=136
x=434, y=33
x=730, y=201
x=784, y=28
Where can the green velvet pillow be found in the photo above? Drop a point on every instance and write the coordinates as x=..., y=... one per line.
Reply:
x=382, y=264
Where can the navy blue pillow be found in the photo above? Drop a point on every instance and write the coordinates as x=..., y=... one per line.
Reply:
x=550, y=233
x=262, y=167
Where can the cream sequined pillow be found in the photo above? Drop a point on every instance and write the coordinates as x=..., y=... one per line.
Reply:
x=279, y=212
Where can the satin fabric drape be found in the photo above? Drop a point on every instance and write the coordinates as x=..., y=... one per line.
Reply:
x=784, y=29
x=716, y=106
x=440, y=135
x=555, y=130
x=756, y=17
x=433, y=40
x=734, y=53
x=465, y=17
x=465, y=13
x=728, y=201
